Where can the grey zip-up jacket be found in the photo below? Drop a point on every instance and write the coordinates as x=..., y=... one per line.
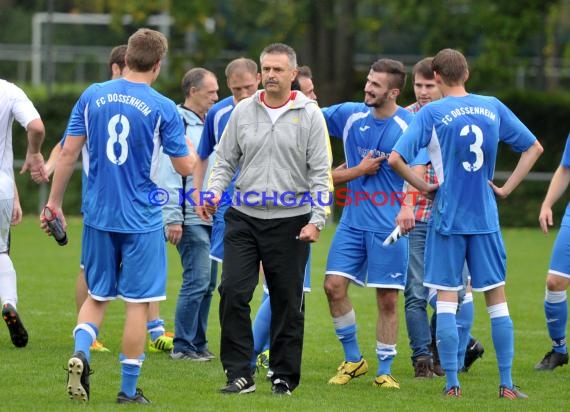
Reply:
x=280, y=164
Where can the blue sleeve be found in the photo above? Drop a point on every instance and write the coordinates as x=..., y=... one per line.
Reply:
x=421, y=159
x=77, y=125
x=208, y=139
x=512, y=131
x=565, y=162
x=172, y=132
x=335, y=117
x=416, y=136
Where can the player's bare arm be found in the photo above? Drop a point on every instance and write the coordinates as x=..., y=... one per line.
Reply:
x=185, y=165
x=17, y=209
x=198, y=178
x=63, y=171
x=52, y=160
x=34, y=161
x=397, y=163
x=368, y=166
x=556, y=189
x=526, y=161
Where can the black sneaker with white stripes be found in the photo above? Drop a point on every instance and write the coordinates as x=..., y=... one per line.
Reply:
x=280, y=387
x=239, y=385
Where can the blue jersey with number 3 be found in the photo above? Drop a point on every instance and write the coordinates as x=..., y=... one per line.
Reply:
x=462, y=135
x=125, y=124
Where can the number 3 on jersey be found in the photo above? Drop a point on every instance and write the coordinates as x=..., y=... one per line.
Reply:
x=117, y=147
x=474, y=148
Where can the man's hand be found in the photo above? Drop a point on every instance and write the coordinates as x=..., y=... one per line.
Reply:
x=35, y=164
x=211, y=205
x=57, y=212
x=545, y=218
x=16, y=213
x=369, y=165
x=499, y=191
x=173, y=233
x=309, y=233
x=202, y=213
x=431, y=190
x=406, y=219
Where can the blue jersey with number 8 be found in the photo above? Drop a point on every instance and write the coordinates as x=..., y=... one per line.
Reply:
x=125, y=124
x=462, y=135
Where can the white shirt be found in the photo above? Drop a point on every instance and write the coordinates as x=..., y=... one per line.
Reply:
x=14, y=104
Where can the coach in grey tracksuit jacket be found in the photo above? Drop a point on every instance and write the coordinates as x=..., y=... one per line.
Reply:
x=283, y=185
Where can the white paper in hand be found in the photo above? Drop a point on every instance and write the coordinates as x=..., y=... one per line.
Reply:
x=393, y=237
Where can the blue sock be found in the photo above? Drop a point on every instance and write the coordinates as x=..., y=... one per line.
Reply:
x=385, y=354
x=503, y=340
x=130, y=372
x=261, y=328
x=83, y=334
x=432, y=300
x=263, y=299
x=464, y=319
x=347, y=336
x=556, y=319
x=155, y=328
x=447, y=344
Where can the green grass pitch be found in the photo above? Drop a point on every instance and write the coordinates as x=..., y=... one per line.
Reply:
x=34, y=378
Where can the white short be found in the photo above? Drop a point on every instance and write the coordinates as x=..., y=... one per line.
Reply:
x=6, y=206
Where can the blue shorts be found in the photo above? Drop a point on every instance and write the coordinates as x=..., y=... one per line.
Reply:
x=218, y=229
x=445, y=256
x=307, y=280
x=360, y=256
x=560, y=259
x=129, y=266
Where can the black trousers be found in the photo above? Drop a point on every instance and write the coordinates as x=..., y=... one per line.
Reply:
x=247, y=242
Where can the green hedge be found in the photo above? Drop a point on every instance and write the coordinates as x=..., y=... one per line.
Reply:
x=546, y=115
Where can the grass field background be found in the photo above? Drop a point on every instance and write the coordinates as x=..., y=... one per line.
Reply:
x=34, y=378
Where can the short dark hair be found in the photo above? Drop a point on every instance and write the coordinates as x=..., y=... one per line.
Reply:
x=280, y=48
x=117, y=56
x=145, y=48
x=194, y=78
x=304, y=71
x=451, y=65
x=394, y=68
x=423, y=68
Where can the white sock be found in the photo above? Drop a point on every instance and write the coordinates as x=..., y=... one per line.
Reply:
x=8, y=289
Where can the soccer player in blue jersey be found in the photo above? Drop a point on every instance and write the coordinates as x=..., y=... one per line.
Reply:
x=424, y=350
x=124, y=123
x=462, y=132
x=160, y=340
x=558, y=278
x=369, y=131
x=242, y=80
